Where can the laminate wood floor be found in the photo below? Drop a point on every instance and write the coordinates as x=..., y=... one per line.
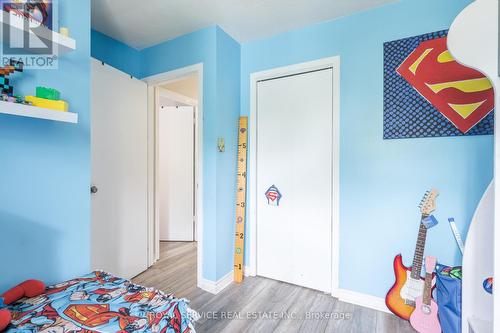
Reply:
x=261, y=305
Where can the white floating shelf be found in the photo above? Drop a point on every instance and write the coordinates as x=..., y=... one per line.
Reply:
x=24, y=110
x=61, y=44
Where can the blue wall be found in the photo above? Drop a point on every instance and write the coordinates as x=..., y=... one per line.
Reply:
x=220, y=55
x=382, y=182
x=45, y=171
x=228, y=112
x=113, y=52
x=194, y=48
x=374, y=173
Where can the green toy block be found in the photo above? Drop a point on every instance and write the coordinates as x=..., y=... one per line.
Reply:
x=48, y=93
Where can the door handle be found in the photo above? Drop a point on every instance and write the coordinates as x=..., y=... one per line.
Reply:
x=93, y=189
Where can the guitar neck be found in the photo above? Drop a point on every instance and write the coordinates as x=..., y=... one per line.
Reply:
x=427, y=296
x=418, y=258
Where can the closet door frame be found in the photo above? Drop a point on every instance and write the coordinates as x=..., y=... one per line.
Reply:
x=325, y=63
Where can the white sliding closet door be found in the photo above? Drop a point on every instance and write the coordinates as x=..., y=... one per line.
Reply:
x=176, y=164
x=294, y=153
x=119, y=172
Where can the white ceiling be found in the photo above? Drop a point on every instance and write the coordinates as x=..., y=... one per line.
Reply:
x=142, y=24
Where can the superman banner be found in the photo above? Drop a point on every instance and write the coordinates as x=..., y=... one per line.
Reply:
x=429, y=94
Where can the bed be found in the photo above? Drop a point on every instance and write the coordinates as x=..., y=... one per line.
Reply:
x=100, y=302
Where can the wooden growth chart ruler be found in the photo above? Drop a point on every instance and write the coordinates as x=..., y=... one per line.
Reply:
x=241, y=194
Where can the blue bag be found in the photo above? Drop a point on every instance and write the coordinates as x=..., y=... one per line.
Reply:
x=449, y=298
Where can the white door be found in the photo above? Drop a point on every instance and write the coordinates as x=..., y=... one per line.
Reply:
x=119, y=172
x=176, y=173
x=294, y=153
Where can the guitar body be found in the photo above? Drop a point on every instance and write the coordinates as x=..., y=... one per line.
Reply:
x=394, y=299
x=409, y=284
x=425, y=317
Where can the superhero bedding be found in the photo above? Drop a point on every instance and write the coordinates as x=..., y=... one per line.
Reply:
x=100, y=302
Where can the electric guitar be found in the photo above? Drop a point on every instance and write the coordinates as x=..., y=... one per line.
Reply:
x=425, y=317
x=409, y=285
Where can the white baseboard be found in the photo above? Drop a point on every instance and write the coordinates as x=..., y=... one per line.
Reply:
x=347, y=296
x=215, y=287
x=248, y=272
x=367, y=301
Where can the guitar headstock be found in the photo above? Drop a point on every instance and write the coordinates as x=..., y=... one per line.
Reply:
x=428, y=203
x=430, y=264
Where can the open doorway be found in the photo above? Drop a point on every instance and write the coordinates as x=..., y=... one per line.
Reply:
x=176, y=176
x=176, y=223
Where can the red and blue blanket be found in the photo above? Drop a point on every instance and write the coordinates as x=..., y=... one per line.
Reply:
x=100, y=302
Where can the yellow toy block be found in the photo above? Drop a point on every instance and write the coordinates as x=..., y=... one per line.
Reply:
x=47, y=103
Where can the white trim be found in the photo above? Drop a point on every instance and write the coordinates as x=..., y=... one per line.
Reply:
x=175, y=75
x=157, y=80
x=367, y=301
x=181, y=78
x=215, y=287
x=247, y=271
x=332, y=62
x=153, y=247
x=176, y=97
